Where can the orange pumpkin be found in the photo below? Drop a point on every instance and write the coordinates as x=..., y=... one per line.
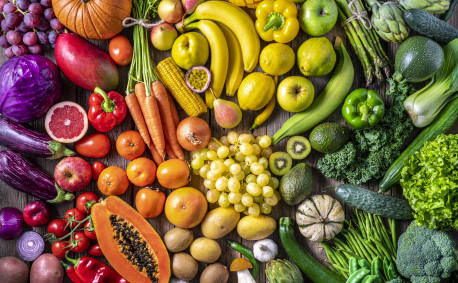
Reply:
x=94, y=19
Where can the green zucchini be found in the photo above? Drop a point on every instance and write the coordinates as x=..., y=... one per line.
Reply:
x=430, y=26
x=418, y=59
x=443, y=122
x=373, y=202
x=311, y=267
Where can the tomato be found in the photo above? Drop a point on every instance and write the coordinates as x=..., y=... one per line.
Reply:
x=85, y=199
x=75, y=214
x=59, y=249
x=120, y=50
x=173, y=173
x=89, y=231
x=95, y=250
x=82, y=242
x=97, y=168
x=58, y=227
x=93, y=146
x=150, y=203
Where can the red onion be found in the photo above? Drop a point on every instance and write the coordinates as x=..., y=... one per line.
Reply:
x=30, y=246
x=11, y=223
x=193, y=133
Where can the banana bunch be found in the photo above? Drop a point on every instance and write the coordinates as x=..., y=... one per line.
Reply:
x=246, y=3
x=234, y=44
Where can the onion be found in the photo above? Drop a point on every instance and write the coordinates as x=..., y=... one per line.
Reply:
x=30, y=246
x=193, y=133
x=170, y=11
x=11, y=222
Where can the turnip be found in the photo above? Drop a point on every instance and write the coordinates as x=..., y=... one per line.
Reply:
x=13, y=270
x=46, y=269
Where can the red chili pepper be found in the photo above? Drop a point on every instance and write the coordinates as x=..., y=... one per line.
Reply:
x=90, y=270
x=71, y=273
x=106, y=110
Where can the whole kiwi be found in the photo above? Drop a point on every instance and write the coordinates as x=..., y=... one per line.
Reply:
x=184, y=266
x=215, y=273
x=178, y=239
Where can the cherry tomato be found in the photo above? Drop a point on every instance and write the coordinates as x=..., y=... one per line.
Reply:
x=58, y=227
x=93, y=146
x=97, y=168
x=82, y=242
x=75, y=214
x=95, y=250
x=59, y=248
x=85, y=199
x=120, y=50
x=89, y=231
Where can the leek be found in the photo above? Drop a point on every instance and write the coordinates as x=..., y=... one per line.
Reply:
x=425, y=104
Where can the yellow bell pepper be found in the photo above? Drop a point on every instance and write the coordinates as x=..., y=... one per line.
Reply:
x=277, y=20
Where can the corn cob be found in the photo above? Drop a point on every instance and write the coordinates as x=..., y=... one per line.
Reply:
x=248, y=3
x=173, y=78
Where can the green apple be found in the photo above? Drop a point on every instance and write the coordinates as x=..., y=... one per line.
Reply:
x=295, y=94
x=317, y=17
x=190, y=49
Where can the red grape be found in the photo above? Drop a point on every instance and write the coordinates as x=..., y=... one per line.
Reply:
x=44, y=24
x=46, y=3
x=22, y=28
x=12, y=20
x=23, y=4
x=49, y=14
x=13, y=37
x=19, y=49
x=9, y=52
x=56, y=24
x=5, y=27
x=36, y=8
x=4, y=42
x=42, y=37
x=52, y=37
x=30, y=38
x=31, y=20
x=9, y=8
x=35, y=49
x=2, y=3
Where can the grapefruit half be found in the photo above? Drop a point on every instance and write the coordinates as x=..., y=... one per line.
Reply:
x=66, y=122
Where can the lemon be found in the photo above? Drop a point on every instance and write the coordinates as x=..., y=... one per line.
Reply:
x=277, y=59
x=255, y=91
x=316, y=57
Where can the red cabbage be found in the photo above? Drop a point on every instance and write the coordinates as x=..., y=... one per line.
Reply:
x=29, y=86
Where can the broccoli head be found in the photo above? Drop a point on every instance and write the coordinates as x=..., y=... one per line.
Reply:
x=425, y=255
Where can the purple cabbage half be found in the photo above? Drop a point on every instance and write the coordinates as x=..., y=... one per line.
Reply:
x=26, y=140
x=29, y=86
x=22, y=175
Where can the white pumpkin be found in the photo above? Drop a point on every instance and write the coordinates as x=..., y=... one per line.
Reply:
x=320, y=218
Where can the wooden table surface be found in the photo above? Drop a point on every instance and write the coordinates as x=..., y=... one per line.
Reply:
x=11, y=197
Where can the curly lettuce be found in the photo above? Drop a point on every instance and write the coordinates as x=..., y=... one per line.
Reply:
x=430, y=182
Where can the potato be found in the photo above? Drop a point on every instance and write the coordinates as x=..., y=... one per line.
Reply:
x=13, y=270
x=205, y=250
x=256, y=228
x=219, y=222
x=46, y=269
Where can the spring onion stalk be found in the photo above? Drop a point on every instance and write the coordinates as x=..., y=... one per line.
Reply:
x=424, y=105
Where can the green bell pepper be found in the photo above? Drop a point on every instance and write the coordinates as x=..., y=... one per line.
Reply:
x=363, y=109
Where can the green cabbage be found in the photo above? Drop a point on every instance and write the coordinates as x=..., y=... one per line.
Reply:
x=430, y=183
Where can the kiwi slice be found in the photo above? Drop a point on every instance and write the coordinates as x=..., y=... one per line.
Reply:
x=298, y=147
x=280, y=163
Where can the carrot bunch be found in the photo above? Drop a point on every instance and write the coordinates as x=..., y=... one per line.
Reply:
x=150, y=106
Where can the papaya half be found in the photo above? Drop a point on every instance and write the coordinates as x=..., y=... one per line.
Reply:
x=130, y=243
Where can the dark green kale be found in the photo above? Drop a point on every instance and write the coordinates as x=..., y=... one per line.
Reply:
x=370, y=152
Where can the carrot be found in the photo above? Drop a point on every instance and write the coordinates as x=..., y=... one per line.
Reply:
x=137, y=116
x=156, y=156
x=150, y=111
x=170, y=151
x=173, y=109
x=169, y=127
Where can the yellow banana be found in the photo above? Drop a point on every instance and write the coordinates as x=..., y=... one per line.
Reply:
x=234, y=18
x=219, y=57
x=235, y=69
x=246, y=3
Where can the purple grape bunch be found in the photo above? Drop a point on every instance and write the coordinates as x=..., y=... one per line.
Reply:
x=28, y=26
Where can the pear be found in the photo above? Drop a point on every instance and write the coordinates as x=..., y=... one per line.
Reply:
x=190, y=5
x=227, y=113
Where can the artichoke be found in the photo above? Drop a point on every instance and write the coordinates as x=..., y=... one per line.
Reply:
x=432, y=6
x=283, y=271
x=388, y=21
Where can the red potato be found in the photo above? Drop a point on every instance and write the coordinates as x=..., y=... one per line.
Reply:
x=46, y=269
x=13, y=270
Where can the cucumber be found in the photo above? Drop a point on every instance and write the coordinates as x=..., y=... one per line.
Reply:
x=443, y=122
x=373, y=202
x=311, y=267
x=430, y=26
x=418, y=58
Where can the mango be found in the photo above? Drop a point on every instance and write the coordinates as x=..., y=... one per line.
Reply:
x=256, y=228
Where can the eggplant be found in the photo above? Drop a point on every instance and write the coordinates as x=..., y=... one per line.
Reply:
x=22, y=175
x=26, y=140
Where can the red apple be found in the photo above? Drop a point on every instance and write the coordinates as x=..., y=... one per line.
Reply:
x=36, y=213
x=163, y=36
x=73, y=174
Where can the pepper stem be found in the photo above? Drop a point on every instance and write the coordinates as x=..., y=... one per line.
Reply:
x=72, y=261
x=274, y=21
x=107, y=105
x=365, y=111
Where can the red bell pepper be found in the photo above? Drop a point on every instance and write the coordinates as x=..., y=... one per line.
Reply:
x=90, y=270
x=106, y=110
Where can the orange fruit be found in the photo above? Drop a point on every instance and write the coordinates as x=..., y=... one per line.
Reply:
x=130, y=145
x=141, y=171
x=186, y=207
x=113, y=181
x=173, y=173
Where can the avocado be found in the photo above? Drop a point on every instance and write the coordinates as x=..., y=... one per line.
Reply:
x=296, y=185
x=329, y=137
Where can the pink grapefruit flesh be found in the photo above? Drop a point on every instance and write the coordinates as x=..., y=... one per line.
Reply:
x=66, y=122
